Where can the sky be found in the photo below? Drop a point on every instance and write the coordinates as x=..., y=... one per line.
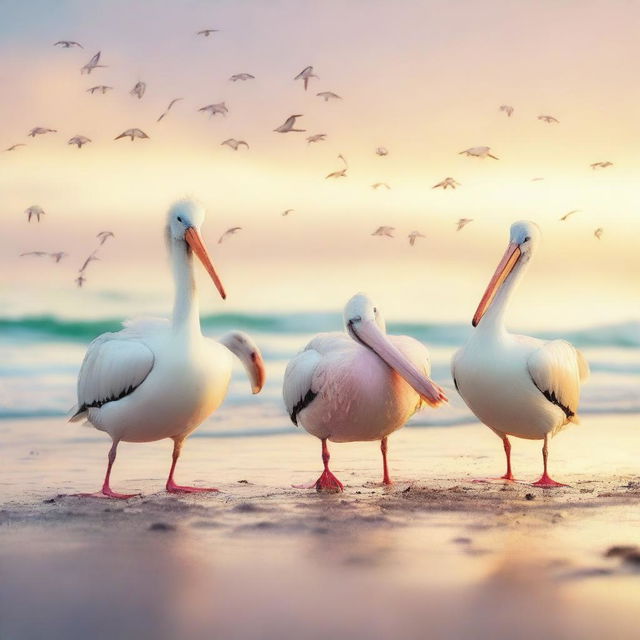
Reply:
x=423, y=79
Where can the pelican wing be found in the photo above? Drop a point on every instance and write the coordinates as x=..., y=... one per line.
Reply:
x=115, y=365
x=557, y=368
x=297, y=389
x=301, y=383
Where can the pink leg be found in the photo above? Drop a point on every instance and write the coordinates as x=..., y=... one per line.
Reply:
x=507, y=450
x=172, y=487
x=106, y=491
x=327, y=481
x=385, y=473
x=546, y=482
x=508, y=476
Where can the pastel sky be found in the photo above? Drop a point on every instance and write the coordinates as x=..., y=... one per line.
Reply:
x=424, y=79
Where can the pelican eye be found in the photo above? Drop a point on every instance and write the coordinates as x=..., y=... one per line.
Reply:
x=375, y=309
x=179, y=218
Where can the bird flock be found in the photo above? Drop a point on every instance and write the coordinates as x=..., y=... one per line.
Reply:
x=290, y=125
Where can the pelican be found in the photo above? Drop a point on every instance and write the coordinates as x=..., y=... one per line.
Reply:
x=517, y=385
x=159, y=379
x=361, y=385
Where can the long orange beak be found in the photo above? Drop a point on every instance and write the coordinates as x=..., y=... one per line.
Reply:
x=195, y=242
x=509, y=260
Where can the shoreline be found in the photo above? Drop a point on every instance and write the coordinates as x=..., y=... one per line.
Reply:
x=260, y=559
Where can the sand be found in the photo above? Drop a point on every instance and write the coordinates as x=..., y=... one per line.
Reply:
x=434, y=556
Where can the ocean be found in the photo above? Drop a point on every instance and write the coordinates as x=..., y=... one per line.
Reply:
x=41, y=356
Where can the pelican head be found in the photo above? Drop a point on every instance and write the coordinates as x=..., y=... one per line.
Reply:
x=249, y=354
x=361, y=308
x=365, y=324
x=183, y=226
x=523, y=240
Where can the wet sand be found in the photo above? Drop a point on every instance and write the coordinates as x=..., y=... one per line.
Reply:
x=435, y=555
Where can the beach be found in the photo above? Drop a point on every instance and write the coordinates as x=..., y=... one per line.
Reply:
x=434, y=555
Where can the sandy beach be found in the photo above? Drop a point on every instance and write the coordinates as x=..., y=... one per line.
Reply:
x=436, y=555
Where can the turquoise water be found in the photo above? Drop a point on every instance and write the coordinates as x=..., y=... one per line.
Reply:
x=41, y=355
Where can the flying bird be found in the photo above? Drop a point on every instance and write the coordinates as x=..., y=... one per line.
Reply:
x=229, y=232
x=287, y=212
x=92, y=258
x=413, y=236
x=232, y=143
x=79, y=141
x=304, y=75
x=360, y=385
x=92, y=64
x=537, y=179
x=38, y=254
x=598, y=232
x=507, y=109
x=340, y=173
x=102, y=88
x=242, y=77
x=212, y=109
x=67, y=44
x=80, y=280
x=446, y=184
x=169, y=108
x=103, y=236
x=463, y=222
x=566, y=215
x=132, y=133
x=601, y=165
x=206, y=32
x=160, y=378
x=317, y=137
x=517, y=385
x=39, y=131
x=548, y=119
x=387, y=232
x=377, y=185
x=329, y=95
x=382, y=151
x=289, y=125
x=478, y=152
x=58, y=255
x=13, y=147
x=34, y=210
x=138, y=89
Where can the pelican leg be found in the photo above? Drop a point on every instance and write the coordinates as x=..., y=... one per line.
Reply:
x=172, y=487
x=508, y=476
x=106, y=491
x=546, y=482
x=327, y=481
x=507, y=450
x=385, y=476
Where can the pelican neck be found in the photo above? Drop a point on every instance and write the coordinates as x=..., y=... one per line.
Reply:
x=492, y=322
x=186, y=311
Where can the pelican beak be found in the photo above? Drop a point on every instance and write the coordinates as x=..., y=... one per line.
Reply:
x=369, y=334
x=257, y=372
x=194, y=240
x=508, y=262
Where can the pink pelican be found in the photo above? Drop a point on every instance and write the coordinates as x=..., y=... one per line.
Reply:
x=157, y=379
x=358, y=386
x=517, y=385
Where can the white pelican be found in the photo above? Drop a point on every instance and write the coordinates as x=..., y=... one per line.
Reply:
x=358, y=386
x=157, y=379
x=517, y=385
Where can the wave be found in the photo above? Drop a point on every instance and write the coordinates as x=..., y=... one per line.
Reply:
x=52, y=328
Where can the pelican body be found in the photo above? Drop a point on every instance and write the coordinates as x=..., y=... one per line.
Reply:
x=356, y=386
x=517, y=385
x=159, y=379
